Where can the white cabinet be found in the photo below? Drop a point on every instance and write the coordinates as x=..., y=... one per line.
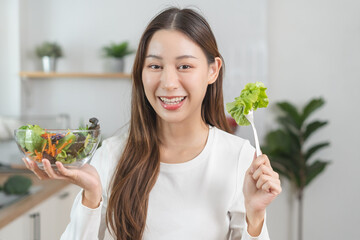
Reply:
x=17, y=230
x=55, y=213
x=46, y=221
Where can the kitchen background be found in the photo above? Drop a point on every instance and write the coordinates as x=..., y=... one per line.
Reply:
x=299, y=49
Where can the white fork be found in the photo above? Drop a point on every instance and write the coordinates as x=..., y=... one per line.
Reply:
x=250, y=118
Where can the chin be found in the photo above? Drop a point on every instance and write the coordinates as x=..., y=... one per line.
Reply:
x=171, y=120
x=171, y=117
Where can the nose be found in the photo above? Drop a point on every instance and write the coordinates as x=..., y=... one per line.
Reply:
x=169, y=79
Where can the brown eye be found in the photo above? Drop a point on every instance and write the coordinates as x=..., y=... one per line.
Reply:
x=155, y=67
x=184, y=67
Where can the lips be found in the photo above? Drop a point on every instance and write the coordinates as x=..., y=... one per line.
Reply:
x=172, y=103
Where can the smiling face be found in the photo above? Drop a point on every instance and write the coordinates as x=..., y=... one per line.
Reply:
x=176, y=74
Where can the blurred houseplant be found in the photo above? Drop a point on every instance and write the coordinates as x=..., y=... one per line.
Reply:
x=49, y=52
x=116, y=52
x=285, y=148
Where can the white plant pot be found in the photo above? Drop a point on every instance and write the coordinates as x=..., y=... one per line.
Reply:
x=49, y=64
x=114, y=65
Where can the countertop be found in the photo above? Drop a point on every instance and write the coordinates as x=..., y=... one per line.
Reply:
x=15, y=210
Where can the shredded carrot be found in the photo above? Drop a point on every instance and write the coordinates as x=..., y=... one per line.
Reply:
x=38, y=157
x=64, y=145
x=53, y=150
x=43, y=149
x=49, y=140
x=48, y=134
x=49, y=147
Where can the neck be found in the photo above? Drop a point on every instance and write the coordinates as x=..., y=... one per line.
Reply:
x=183, y=134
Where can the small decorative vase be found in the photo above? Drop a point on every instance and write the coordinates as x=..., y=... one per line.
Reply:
x=115, y=65
x=49, y=64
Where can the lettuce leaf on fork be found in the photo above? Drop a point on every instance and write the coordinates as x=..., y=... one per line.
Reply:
x=252, y=97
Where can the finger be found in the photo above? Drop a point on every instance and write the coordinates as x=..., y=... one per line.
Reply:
x=38, y=172
x=266, y=178
x=70, y=175
x=269, y=184
x=262, y=180
x=26, y=163
x=50, y=171
x=64, y=171
x=271, y=187
x=262, y=159
x=263, y=169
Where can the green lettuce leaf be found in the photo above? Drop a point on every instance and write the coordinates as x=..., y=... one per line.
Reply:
x=33, y=139
x=65, y=139
x=252, y=97
x=63, y=157
x=20, y=136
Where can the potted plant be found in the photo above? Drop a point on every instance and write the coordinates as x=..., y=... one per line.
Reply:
x=116, y=52
x=286, y=151
x=49, y=52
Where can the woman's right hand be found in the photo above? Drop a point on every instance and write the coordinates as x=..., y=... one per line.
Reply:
x=85, y=177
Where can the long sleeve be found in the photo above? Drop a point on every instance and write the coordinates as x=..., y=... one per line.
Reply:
x=237, y=213
x=86, y=223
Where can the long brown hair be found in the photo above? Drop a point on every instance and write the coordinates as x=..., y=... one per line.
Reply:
x=139, y=165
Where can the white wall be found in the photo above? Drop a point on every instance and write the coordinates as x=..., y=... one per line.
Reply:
x=82, y=27
x=9, y=58
x=314, y=50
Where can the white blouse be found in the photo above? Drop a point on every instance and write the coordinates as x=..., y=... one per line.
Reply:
x=198, y=199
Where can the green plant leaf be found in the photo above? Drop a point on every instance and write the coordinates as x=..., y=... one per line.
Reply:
x=117, y=50
x=289, y=164
x=312, y=127
x=279, y=168
x=295, y=143
x=288, y=122
x=284, y=146
x=50, y=49
x=287, y=168
x=313, y=105
x=278, y=141
x=315, y=169
x=291, y=111
x=314, y=149
x=283, y=142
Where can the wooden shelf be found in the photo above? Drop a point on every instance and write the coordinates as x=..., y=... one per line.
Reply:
x=73, y=75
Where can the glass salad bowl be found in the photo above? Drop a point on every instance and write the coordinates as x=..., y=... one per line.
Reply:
x=73, y=148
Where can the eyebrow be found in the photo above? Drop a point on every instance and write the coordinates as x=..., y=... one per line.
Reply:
x=179, y=57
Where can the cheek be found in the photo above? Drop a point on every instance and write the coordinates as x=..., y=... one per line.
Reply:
x=149, y=87
x=198, y=84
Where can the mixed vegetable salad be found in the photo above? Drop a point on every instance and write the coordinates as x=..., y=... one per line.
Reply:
x=66, y=146
x=252, y=97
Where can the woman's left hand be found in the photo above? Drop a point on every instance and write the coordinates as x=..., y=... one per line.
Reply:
x=261, y=187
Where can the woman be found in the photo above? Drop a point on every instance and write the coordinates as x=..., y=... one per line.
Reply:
x=177, y=174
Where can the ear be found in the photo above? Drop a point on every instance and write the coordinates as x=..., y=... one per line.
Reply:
x=214, y=69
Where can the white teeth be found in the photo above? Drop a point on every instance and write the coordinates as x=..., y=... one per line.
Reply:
x=172, y=100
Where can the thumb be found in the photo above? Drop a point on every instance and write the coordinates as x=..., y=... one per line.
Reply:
x=250, y=169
